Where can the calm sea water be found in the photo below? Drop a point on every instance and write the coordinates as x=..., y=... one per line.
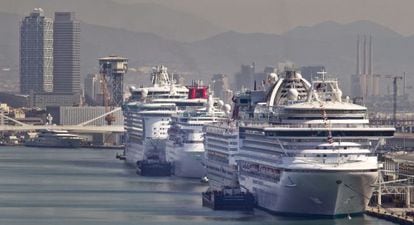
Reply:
x=85, y=186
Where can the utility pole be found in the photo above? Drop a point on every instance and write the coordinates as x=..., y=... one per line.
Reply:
x=394, y=96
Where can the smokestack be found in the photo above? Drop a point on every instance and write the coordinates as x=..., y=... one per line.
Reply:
x=364, y=56
x=370, y=56
x=357, y=58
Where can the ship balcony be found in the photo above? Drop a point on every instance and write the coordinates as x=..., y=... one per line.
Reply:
x=223, y=140
x=219, y=148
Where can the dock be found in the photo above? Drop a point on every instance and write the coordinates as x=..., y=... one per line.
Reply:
x=403, y=216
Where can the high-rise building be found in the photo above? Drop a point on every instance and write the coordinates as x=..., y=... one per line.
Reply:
x=36, y=53
x=66, y=53
x=220, y=84
x=245, y=78
x=93, y=90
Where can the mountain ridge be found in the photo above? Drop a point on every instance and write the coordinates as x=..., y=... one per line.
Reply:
x=226, y=51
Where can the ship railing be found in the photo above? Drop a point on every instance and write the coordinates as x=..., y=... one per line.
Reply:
x=222, y=127
x=253, y=123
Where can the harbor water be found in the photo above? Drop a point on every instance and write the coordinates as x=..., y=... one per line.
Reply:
x=90, y=186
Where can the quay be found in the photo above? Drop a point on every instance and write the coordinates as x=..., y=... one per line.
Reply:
x=396, y=215
x=394, y=193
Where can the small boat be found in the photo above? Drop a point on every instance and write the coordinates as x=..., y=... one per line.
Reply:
x=55, y=138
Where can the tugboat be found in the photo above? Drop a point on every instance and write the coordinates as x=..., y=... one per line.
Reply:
x=152, y=167
x=225, y=191
x=229, y=198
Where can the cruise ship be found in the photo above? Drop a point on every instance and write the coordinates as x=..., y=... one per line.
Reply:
x=148, y=115
x=221, y=146
x=55, y=138
x=308, y=151
x=185, y=146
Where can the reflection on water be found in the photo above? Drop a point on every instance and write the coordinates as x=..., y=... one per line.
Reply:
x=85, y=186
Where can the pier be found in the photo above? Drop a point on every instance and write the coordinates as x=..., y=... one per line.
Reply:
x=394, y=191
x=397, y=215
x=102, y=136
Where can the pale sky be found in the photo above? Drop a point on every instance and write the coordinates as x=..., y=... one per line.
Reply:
x=277, y=16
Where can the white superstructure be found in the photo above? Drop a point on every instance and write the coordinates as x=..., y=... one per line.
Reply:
x=55, y=138
x=148, y=114
x=185, y=146
x=221, y=146
x=308, y=151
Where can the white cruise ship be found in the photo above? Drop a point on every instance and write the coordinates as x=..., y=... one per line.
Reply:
x=308, y=151
x=221, y=146
x=147, y=120
x=185, y=146
x=222, y=139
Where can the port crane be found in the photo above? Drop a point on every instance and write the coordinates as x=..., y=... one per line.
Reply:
x=106, y=98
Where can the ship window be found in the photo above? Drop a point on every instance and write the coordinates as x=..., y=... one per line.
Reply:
x=324, y=155
x=345, y=147
x=318, y=155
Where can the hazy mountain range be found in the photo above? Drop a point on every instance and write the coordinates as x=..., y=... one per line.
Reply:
x=140, y=17
x=329, y=43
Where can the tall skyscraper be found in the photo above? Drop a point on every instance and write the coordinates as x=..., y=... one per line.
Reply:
x=66, y=53
x=93, y=89
x=36, y=53
x=245, y=78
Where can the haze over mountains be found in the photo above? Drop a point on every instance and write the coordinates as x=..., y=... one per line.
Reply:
x=140, y=17
x=186, y=43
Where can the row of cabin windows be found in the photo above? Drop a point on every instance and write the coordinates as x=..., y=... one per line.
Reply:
x=328, y=111
x=325, y=155
x=324, y=133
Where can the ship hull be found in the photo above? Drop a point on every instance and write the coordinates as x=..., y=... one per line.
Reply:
x=186, y=160
x=188, y=164
x=54, y=144
x=314, y=193
x=149, y=158
x=134, y=152
x=154, y=168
